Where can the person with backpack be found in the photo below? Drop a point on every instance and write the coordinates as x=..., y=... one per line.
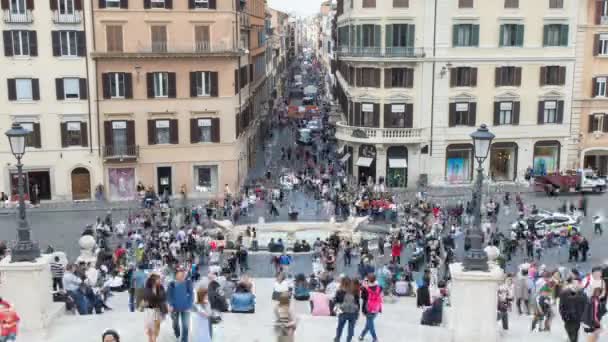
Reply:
x=572, y=303
x=180, y=297
x=347, y=308
x=371, y=297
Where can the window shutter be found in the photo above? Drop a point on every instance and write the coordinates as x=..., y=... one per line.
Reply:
x=8, y=43
x=517, y=77
x=357, y=114
x=128, y=85
x=35, y=89
x=545, y=35
x=5, y=4
x=591, y=121
x=172, y=85
x=84, y=135
x=411, y=35
x=59, y=89
x=472, y=113
x=212, y=4
x=250, y=72
x=194, y=131
x=563, y=35
x=387, y=115
x=515, y=119
x=105, y=85
x=107, y=133
x=147, y=4
x=475, y=36
x=193, y=84
x=33, y=37
x=173, y=132
x=376, y=78
x=594, y=87
x=543, y=76
x=452, y=115
x=55, y=43
x=214, y=84
x=409, y=78
x=37, y=139
x=359, y=78
x=82, y=44
x=596, y=44
x=29, y=4
x=473, y=77
x=12, y=89
x=519, y=39
x=605, y=128
x=562, y=75
x=64, y=134
x=501, y=38
x=236, y=82
x=540, y=119
x=453, y=77
x=124, y=4
x=376, y=115
x=599, y=6
x=497, y=77
x=496, y=113
x=560, y=112
x=377, y=36
x=83, y=88
x=191, y=4
x=53, y=5
x=150, y=84
x=455, y=29
x=389, y=35
x=409, y=115
x=151, y=132
x=78, y=5
x=131, y=133
x=215, y=130
x=102, y=4
x=388, y=78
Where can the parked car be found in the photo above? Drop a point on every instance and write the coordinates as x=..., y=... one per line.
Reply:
x=545, y=222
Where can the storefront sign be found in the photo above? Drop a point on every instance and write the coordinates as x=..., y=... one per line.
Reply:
x=367, y=107
x=398, y=108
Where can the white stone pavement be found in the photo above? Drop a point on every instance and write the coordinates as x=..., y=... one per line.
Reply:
x=398, y=323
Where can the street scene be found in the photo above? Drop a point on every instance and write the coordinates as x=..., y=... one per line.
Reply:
x=259, y=171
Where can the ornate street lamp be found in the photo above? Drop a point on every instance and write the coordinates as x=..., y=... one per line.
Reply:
x=476, y=258
x=25, y=249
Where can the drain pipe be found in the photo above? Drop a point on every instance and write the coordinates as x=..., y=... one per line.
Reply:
x=433, y=78
x=86, y=61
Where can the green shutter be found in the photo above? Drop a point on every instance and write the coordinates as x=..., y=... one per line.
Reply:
x=475, y=36
x=501, y=39
x=563, y=35
x=377, y=36
x=411, y=35
x=519, y=41
x=455, y=30
x=359, y=36
x=389, y=35
x=545, y=35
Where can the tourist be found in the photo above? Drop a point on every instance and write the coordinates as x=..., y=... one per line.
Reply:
x=71, y=285
x=572, y=303
x=138, y=284
x=155, y=308
x=594, y=312
x=543, y=309
x=319, y=303
x=423, y=295
x=347, y=308
x=9, y=321
x=242, y=301
x=179, y=298
x=396, y=251
x=285, y=319
x=522, y=289
x=371, y=297
x=281, y=286
x=57, y=271
x=110, y=336
x=302, y=288
x=202, y=317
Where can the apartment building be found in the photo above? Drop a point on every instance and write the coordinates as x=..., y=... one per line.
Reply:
x=415, y=81
x=590, y=93
x=45, y=88
x=276, y=52
x=326, y=47
x=176, y=82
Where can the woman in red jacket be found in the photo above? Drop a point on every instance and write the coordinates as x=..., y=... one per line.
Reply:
x=396, y=251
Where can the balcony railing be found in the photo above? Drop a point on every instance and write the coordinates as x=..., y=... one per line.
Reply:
x=18, y=18
x=67, y=18
x=377, y=135
x=167, y=49
x=120, y=153
x=389, y=51
x=159, y=47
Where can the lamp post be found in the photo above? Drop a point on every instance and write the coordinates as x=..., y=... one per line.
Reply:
x=25, y=249
x=476, y=258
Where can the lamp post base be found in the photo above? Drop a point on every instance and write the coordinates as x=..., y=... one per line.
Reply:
x=25, y=251
x=476, y=260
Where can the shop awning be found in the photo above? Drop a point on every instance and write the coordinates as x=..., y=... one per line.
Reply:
x=345, y=158
x=365, y=162
x=397, y=163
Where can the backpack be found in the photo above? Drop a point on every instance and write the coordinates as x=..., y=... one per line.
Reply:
x=348, y=304
x=374, y=300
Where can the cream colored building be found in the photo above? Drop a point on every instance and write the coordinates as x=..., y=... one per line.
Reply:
x=413, y=85
x=44, y=87
x=590, y=92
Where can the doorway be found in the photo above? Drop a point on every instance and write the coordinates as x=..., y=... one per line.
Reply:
x=81, y=184
x=163, y=175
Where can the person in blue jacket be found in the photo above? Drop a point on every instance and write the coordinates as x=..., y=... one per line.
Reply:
x=180, y=298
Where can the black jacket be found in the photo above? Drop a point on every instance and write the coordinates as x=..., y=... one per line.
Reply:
x=572, y=305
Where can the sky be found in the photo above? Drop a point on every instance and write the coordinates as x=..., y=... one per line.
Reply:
x=300, y=7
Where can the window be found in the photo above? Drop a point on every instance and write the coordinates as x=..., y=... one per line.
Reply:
x=601, y=44
x=555, y=35
x=601, y=12
x=508, y=76
x=461, y=115
x=161, y=84
x=511, y=35
x=369, y=3
x=157, y=3
x=368, y=77
x=401, y=3
x=596, y=123
x=113, y=3
x=399, y=78
x=600, y=87
x=201, y=3
x=369, y=35
x=550, y=114
x=552, y=75
x=505, y=113
x=117, y=85
x=30, y=139
x=463, y=77
x=367, y=115
x=398, y=115
x=511, y=3
x=18, y=6
x=21, y=43
x=159, y=38
x=556, y=3
x=204, y=129
x=119, y=137
x=73, y=134
x=65, y=6
x=400, y=35
x=465, y=35
x=465, y=3
x=201, y=37
x=163, y=131
x=114, y=38
x=68, y=43
x=205, y=179
x=203, y=83
x=24, y=89
x=71, y=88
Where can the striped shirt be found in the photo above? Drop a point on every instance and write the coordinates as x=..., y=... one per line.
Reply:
x=57, y=270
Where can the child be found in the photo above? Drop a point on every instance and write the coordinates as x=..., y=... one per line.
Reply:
x=8, y=320
x=543, y=309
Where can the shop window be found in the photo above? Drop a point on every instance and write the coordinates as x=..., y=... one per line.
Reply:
x=205, y=179
x=546, y=157
x=396, y=167
x=503, y=162
x=459, y=167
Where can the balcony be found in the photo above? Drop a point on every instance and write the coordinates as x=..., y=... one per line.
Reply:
x=120, y=153
x=67, y=18
x=168, y=50
x=18, y=18
x=380, y=52
x=372, y=135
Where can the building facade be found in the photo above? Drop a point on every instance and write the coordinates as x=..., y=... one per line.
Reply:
x=591, y=95
x=46, y=89
x=414, y=81
x=174, y=80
